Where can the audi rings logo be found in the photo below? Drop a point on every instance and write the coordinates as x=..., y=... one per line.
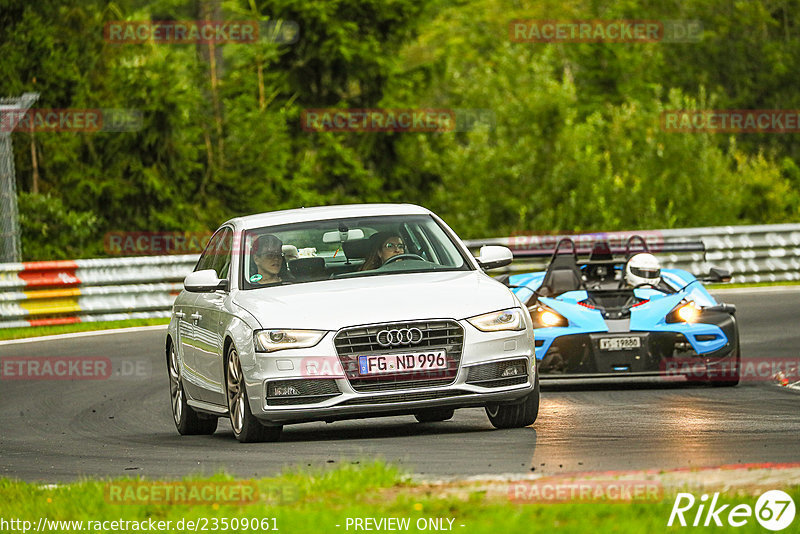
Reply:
x=403, y=336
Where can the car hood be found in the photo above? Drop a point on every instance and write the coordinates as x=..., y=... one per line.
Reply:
x=334, y=304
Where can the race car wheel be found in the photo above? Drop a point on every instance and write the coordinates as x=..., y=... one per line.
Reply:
x=434, y=415
x=187, y=421
x=517, y=415
x=730, y=382
x=734, y=379
x=246, y=428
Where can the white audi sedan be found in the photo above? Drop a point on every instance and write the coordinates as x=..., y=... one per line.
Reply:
x=340, y=312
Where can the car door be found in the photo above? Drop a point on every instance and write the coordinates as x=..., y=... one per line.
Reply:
x=181, y=311
x=209, y=326
x=195, y=384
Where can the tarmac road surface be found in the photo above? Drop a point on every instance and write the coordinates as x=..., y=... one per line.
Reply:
x=63, y=430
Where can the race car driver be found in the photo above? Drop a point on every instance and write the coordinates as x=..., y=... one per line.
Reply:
x=643, y=269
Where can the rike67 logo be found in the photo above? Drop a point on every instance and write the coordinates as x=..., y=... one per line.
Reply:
x=774, y=510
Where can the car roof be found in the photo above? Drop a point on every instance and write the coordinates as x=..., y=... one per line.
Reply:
x=325, y=212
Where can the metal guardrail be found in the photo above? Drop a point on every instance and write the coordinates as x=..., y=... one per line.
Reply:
x=58, y=292
x=764, y=253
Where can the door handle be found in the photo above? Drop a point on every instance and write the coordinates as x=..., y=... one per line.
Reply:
x=179, y=315
x=196, y=317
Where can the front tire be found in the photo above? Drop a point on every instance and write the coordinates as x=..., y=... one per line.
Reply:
x=246, y=428
x=517, y=415
x=187, y=421
x=734, y=379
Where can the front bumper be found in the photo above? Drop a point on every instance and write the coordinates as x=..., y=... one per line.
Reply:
x=324, y=388
x=356, y=406
x=660, y=354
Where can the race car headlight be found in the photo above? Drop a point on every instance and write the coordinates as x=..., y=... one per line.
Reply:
x=544, y=317
x=272, y=340
x=510, y=319
x=685, y=312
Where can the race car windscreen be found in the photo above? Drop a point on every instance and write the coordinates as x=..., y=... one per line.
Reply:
x=347, y=248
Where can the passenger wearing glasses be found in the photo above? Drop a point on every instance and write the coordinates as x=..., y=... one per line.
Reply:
x=384, y=246
x=269, y=259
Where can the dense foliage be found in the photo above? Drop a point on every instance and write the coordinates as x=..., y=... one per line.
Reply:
x=576, y=142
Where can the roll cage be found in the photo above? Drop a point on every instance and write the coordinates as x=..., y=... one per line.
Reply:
x=566, y=272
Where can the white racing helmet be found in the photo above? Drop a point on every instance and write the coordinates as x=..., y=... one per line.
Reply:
x=641, y=269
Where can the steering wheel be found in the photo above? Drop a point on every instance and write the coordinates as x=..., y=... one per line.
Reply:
x=403, y=257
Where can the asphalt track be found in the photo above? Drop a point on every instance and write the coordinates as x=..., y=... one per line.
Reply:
x=65, y=430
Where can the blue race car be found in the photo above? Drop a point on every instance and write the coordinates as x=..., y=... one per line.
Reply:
x=590, y=321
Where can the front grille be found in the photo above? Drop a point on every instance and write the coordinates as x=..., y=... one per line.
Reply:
x=581, y=354
x=310, y=391
x=362, y=341
x=405, y=397
x=490, y=375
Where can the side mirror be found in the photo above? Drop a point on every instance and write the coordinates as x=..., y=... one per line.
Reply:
x=204, y=281
x=715, y=274
x=493, y=256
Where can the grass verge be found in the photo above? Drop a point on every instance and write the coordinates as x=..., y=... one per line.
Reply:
x=315, y=501
x=38, y=331
x=753, y=284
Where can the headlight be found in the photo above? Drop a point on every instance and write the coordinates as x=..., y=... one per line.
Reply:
x=685, y=312
x=272, y=340
x=500, y=320
x=544, y=317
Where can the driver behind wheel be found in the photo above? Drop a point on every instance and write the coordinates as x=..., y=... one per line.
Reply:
x=384, y=245
x=270, y=261
x=643, y=269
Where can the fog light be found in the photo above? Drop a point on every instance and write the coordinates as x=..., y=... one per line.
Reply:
x=514, y=370
x=284, y=391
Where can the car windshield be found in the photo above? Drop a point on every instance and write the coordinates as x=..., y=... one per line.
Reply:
x=347, y=248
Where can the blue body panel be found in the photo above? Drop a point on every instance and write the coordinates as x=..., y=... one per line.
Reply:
x=647, y=317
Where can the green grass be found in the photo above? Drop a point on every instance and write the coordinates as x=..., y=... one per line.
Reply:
x=37, y=331
x=316, y=501
x=753, y=284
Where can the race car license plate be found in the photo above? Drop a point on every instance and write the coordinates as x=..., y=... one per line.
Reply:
x=620, y=343
x=399, y=363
